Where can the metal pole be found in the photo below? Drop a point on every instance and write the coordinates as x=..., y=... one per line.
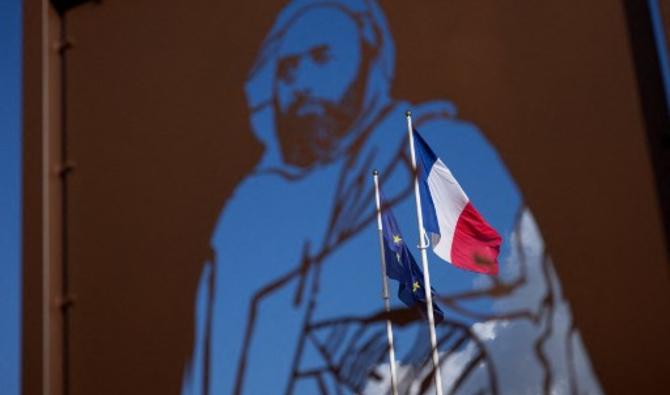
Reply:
x=385, y=286
x=423, y=245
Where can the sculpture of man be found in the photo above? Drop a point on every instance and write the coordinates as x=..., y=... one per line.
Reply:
x=294, y=255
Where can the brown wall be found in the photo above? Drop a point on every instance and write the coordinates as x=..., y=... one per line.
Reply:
x=158, y=128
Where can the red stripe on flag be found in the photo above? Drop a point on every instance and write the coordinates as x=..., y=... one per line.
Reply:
x=476, y=244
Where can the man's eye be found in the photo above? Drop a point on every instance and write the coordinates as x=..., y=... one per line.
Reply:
x=320, y=54
x=287, y=67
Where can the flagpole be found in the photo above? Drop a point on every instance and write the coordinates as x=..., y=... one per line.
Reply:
x=385, y=285
x=423, y=245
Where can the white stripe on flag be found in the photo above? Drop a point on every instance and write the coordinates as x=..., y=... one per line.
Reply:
x=449, y=200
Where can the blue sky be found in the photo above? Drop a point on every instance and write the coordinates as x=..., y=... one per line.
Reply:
x=661, y=45
x=10, y=157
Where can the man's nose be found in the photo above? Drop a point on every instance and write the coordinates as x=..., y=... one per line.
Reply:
x=304, y=81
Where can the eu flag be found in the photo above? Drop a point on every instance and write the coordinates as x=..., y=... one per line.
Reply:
x=401, y=266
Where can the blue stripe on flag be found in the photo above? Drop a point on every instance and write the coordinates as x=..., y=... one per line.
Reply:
x=425, y=159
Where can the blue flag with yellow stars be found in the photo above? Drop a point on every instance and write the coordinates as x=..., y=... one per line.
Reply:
x=401, y=266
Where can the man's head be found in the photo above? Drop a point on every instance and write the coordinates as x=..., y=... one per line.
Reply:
x=324, y=67
x=320, y=75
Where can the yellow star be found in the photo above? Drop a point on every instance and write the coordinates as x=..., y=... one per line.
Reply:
x=396, y=239
x=415, y=286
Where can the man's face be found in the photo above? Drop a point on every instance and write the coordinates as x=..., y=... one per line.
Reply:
x=318, y=85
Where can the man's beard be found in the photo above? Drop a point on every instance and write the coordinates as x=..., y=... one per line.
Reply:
x=307, y=139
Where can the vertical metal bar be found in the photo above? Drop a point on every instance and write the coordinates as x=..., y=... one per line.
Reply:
x=66, y=299
x=423, y=245
x=385, y=286
x=46, y=236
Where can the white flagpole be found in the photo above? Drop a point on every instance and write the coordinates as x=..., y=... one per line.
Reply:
x=385, y=285
x=423, y=245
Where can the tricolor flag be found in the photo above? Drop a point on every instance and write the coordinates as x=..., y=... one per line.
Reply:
x=459, y=234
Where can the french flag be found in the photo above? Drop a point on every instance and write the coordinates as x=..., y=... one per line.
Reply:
x=458, y=233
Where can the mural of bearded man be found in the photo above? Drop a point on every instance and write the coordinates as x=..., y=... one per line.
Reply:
x=290, y=301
